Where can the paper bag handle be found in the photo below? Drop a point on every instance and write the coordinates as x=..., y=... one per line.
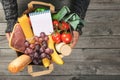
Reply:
x=30, y=5
x=40, y=73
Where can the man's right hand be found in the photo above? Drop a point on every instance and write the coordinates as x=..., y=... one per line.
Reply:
x=8, y=36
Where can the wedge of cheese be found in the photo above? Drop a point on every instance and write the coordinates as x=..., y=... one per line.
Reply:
x=26, y=27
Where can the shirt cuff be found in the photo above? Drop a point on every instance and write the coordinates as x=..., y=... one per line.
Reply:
x=79, y=28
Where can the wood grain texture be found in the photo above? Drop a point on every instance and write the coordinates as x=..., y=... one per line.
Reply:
x=101, y=29
x=3, y=26
x=103, y=16
x=104, y=6
x=79, y=77
x=73, y=68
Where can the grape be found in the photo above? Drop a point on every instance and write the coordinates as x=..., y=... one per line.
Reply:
x=39, y=52
x=26, y=52
x=39, y=57
x=27, y=44
x=36, y=55
x=32, y=46
x=35, y=61
x=43, y=55
x=49, y=57
x=48, y=51
x=30, y=51
x=36, y=38
x=44, y=44
x=42, y=49
x=31, y=56
x=40, y=40
x=37, y=47
x=51, y=51
x=46, y=38
x=42, y=34
x=36, y=43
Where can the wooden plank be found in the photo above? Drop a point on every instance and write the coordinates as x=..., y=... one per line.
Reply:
x=35, y=78
x=2, y=28
x=106, y=1
x=99, y=42
x=71, y=77
x=73, y=68
x=1, y=7
x=101, y=29
x=103, y=16
x=7, y=53
x=3, y=42
x=2, y=16
x=85, y=42
x=104, y=6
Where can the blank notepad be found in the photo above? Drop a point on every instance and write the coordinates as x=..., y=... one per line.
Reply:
x=41, y=22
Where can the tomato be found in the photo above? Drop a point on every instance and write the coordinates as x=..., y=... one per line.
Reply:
x=64, y=26
x=55, y=23
x=56, y=37
x=66, y=37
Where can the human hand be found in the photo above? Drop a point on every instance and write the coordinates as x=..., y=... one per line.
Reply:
x=8, y=36
x=75, y=39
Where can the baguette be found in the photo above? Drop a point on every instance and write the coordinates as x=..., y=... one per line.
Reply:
x=19, y=63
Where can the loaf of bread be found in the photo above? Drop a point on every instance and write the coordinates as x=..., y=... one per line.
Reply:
x=19, y=63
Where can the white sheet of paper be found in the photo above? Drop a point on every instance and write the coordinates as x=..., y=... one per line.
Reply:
x=41, y=22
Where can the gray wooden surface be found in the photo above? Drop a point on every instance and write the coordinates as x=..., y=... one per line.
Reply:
x=95, y=57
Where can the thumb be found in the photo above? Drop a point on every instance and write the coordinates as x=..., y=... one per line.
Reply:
x=75, y=39
x=8, y=36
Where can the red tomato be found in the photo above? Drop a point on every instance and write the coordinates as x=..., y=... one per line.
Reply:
x=64, y=26
x=56, y=37
x=55, y=23
x=66, y=37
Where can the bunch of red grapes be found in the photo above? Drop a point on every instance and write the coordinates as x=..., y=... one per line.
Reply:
x=39, y=49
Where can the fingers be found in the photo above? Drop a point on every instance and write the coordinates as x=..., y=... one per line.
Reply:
x=75, y=38
x=8, y=36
